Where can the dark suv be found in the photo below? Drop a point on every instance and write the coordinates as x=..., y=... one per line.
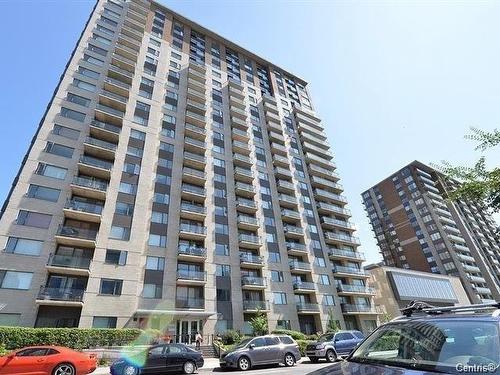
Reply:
x=433, y=340
x=332, y=345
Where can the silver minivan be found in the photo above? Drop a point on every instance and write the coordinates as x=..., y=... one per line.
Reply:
x=262, y=350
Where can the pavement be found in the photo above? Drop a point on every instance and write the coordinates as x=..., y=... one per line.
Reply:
x=304, y=366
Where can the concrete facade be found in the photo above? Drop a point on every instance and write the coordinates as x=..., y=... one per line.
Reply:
x=177, y=181
x=418, y=228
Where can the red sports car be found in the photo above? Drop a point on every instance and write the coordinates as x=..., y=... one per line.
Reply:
x=47, y=360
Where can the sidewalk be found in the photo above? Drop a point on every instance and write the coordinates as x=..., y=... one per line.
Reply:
x=210, y=364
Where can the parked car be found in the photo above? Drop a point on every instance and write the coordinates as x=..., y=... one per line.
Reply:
x=262, y=350
x=431, y=341
x=49, y=360
x=159, y=359
x=332, y=345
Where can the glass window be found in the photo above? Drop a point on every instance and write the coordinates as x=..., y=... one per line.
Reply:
x=77, y=99
x=328, y=300
x=221, y=249
x=23, y=246
x=84, y=85
x=52, y=171
x=279, y=298
x=43, y=193
x=33, y=219
x=9, y=320
x=104, y=322
x=324, y=279
x=162, y=198
x=223, y=270
x=136, y=134
x=284, y=324
x=66, y=132
x=93, y=60
x=119, y=233
x=277, y=276
x=111, y=287
x=157, y=240
x=71, y=114
x=118, y=257
x=152, y=291
x=155, y=263
x=159, y=217
x=15, y=280
x=59, y=150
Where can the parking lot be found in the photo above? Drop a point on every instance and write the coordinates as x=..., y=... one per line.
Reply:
x=303, y=367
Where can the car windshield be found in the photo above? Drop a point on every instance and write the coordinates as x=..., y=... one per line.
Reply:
x=447, y=346
x=326, y=338
x=242, y=344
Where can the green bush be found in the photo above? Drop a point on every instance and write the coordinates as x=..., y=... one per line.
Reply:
x=314, y=337
x=302, y=346
x=76, y=338
x=296, y=335
x=230, y=337
x=3, y=350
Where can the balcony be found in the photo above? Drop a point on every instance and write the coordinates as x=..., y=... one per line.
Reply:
x=355, y=289
x=290, y=215
x=121, y=74
x=110, y=115
x=327, y=208
x=278, y=149
x=105, y=131
x=193, y=211
x=252, y=282
x=243, y=174
x=251, y=261
x=295, y=248
x=472, y=269
x=197, y=86
x=192, y=231
x=196, y=118
x=322, y=152
x=272, y=116
x=89, y=187
x=195, y=132
x=271, y=107
x=247, y=222
x=329, y=222
x=282, y=172
x=114, y=101
x=91, y=166
x=237, y=112
x=287, y=200
x=141, y=18
x=73, y=236
x=255, y=306
x=242, y=160
x=246, y=205
x=326, y=195
x=274, y=124
x=187, y=277
x=349, y=271
x=360, y=309
x=133, y=24
x=345, y=254
x=293, y=231
x=476, y=279
x=307, y=308
x=60, y=297
x=236, y=92
x=285, y=186
x=237, y=102
x=241, y=147
x=282, y=161
x=303, y=287
x=191, y=253
x=342, y=238
x=323, y=172
x=123, y=63
x=239, y=123
x=322, y=162
x=83, y=211
x=276, y=137
x=249, y=241
x=131, y=33
x=190, y=303
x=195, y=145
x=195, y=106
x=321, y=182
x=194, y=160
x=240, y=135
x=193, y=192
x=245, y=190
x=194, y=176
x=69, y=265
x=116, y=86
x=99, y=148
x=299, y=267
x=196, y=75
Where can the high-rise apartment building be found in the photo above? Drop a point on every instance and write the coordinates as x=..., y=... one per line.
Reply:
x=179, y=181
x=418, y=228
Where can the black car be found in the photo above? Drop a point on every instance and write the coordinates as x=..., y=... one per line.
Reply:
x=430, y=340
x=159, y=359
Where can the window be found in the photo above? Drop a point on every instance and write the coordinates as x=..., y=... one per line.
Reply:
x=324, y=279
x=127, y=188
x=59, y=150
x=73, y=115
x=435, y=236
x=221, y=249
x=119, y=233
x=220, y=211
x=271, y=238
x=274, y=257
x=23, y=246
x=123, y=208
x=111, y=287
x=9, y=320
x=104, y=322
x=15, y=280
x=77, y=99
x=277, y=276
x=221, y=193
x=33, y=219
x=155, y=263
x=328, y=300
x=93, y=60
x=223, y=295
x=320, y=261
x=157, y=240
x=223, y=270
x=134, y=151
x=52, y=171
x=66, y=132
x=219, y=162
x=117, y=257
x=152, y=291
x=136, y=134
x=162, y=198
x=283, y=324
x=221, y=229
x=131, y=168
x=159, y=217
x=279, y=298
x=84, y=85
x=43, y=193
x=88, y=73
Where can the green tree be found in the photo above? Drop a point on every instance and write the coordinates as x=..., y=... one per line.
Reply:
x=259, y=324
x=477, y=183
x=332, y=325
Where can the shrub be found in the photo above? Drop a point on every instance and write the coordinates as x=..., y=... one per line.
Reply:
x=3, y=350
x=313, y=337
x=259, y=324
x=76, y=338
x=230, y=337
x=296, y=335
x=302, y=346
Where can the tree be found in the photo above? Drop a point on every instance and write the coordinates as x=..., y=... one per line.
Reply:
x=477, y=183
x=332, y=325
x=259, y=324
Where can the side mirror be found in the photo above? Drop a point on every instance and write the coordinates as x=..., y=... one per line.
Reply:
x=251, y=346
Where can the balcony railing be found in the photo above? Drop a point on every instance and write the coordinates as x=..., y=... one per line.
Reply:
x=193, y=156
x=249, y=238
x=194, y=172
x=58, y=294
x=249, y=258
x=90, y=208
x=348, y=270
x=106, y=126
x=253, y=281
x=99, y=143
x=337, y=222
x=190, y=303
x=193, y=208
x=90, y=183
x=306, y=285
x=293, y=229
x=347, y=308
x=355, y=289
x=192, y=275
x=296, y=265
x=246, y=203
x=83, y=233
x=296, y=246
x=346, y=254
x=247, y=220
x=107, y=109
x=197, y=229
x=304, y=307
x=94, y=162
x=340, y=237
x=193, y=189
x=117, y=82
x=192, y=250
x=68, y=261
x=255, y=305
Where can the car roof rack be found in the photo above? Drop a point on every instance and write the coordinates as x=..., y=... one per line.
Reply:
x=423, y=307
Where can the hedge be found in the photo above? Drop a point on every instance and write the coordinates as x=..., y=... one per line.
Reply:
x=303, y=345
x=76, y=338
x=296, y=335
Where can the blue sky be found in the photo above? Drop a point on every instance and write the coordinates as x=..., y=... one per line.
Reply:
x=393, y=81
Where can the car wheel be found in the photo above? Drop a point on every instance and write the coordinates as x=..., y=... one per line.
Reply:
x=331, y=356
x=189, y=367
x=64, y=369
x=314, y=359
x=244, y=363
x=129, y=370
x=289, y=360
